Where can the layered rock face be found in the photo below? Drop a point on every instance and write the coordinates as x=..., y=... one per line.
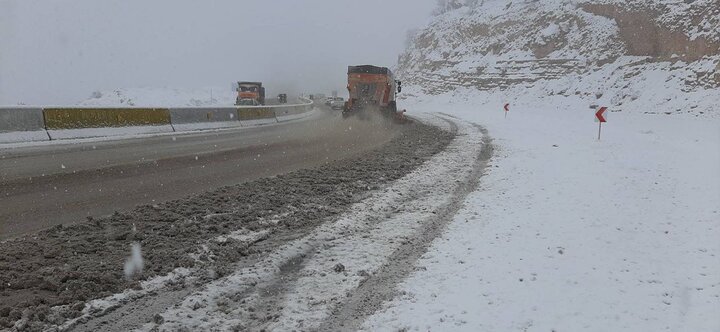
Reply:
x=496, y=44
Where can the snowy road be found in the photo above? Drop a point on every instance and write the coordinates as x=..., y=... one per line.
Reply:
x=341, y=272
x=323, y=257
x=43, y=186
x=254, y=246
x=329, y=277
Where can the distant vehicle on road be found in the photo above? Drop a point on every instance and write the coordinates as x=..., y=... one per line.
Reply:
x=329, y=100
x=250, y=90
x=282, y=98
x=338, y=103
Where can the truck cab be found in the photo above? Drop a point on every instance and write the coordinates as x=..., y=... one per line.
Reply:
x=250, y=90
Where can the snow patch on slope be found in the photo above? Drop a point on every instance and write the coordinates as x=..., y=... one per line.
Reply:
x=696, y=19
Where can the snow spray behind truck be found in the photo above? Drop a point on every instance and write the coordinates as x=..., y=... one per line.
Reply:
x=371, y=89
x=250, y=93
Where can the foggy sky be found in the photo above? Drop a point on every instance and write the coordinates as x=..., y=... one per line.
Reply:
x=59, y=51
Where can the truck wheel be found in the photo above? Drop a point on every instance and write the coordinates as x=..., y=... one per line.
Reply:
x=392, y=107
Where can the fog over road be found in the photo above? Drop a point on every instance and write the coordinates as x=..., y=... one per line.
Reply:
x=43, y=186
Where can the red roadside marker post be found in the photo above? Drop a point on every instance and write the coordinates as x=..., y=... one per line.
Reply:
x=507, y=109
x=600, y=118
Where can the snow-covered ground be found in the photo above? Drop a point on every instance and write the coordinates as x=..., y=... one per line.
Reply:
x=568, y=233
x=162, y=97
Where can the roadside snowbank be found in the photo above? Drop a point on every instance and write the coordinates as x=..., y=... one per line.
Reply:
x=567, y=233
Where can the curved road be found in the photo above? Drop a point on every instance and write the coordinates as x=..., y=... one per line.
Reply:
x=44, y=186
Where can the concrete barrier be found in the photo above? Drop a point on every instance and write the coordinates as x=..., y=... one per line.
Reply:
x=20, y=124
x=184, y=119
x=256, y=115
x=294, y=112
x=108, y=131
x=289, y=110
x=35, y=124
x=76, y=118
x=65, y=123
x=255, y=112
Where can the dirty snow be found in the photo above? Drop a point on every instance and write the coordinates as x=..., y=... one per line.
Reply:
x=568, y=233
x=101, y=306
x=361, y=240
x=181, y=275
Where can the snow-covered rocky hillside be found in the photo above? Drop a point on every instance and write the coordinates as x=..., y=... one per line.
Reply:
x=162, y=97
x=647, y=56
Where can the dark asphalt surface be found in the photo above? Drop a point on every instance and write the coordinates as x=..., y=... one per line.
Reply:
x=44, y=186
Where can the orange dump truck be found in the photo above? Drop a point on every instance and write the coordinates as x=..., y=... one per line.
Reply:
x=250, y=93
x=371, y=89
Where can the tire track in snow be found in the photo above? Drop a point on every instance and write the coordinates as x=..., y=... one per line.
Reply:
x=381, y=287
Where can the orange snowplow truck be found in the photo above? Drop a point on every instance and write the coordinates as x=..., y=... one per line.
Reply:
x=250, y=94
x=371, y=89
